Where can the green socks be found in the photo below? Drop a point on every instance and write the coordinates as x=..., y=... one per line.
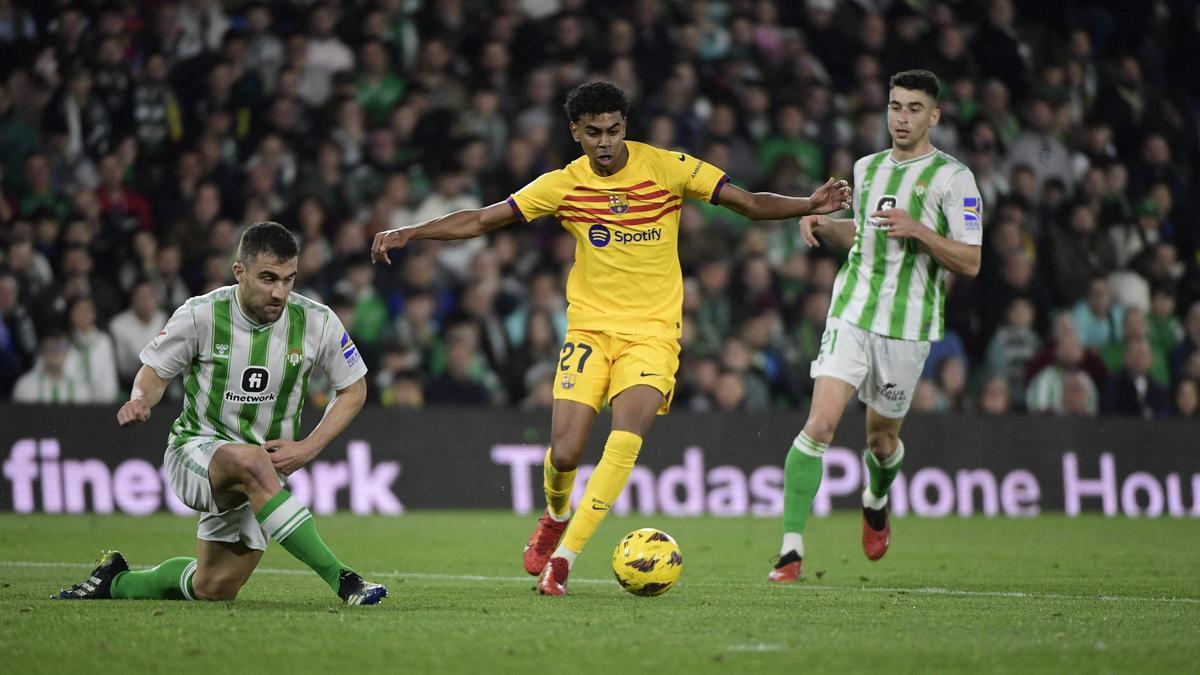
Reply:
x=801, y=478
x=287, y=521
x=171, y=580
x=880, y=476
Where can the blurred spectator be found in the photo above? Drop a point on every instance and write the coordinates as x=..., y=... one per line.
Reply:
x=1166, y=331
x=1039, y=149
x=925, y=397
x=1189, y=345
x=1135, y=329
x=18, y=340
x=94, y=348
x=994, y=397
x=1013, y=346
x=134, y=328
x=1096, y=317
x=1064, y=331
x=1078, y=396
x=465, y=378
x=1187, y=398
x=1135, y=393
x=1061, y=387
x=729, y=392
x=1078, y=254
x=55, y=377
x=950, y=377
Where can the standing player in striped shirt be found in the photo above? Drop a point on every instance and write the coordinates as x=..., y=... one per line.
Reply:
x=247, y=351
x=917, y=215
x=621, y=202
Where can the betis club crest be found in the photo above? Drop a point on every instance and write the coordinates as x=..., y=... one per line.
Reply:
x=618, y=203
x=294, y=357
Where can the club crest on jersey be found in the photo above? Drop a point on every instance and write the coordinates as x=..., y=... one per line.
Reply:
x=618, y=203
x=349, y=351
x=971, y=212
x=222, y=351
x=919, y=190
x=294, y=357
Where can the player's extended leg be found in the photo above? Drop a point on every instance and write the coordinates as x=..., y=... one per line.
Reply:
x=569, y=429
x=885, y=452
x=803, y=468
x=218, y=572
x=239, y=472
x=633, y=411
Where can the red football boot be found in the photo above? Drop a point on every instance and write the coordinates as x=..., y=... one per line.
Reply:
x=554, y=577
x=787, y=570
x=876, y=532
x=543, y=542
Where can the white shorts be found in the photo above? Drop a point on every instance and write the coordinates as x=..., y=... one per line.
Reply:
x=884, y=370
x=187, y=469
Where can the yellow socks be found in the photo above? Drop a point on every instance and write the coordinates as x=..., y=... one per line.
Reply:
x=558, y=486
x=603, y=488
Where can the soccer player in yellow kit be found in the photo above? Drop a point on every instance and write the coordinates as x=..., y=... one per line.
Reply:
x=621, y=201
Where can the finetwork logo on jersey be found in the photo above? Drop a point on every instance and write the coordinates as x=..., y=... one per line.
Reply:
x=885, y=202
x=600, y=236
x=254, y=382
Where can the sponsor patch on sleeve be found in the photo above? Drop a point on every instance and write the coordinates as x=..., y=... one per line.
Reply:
x=971, y=213
x=162, y=335
x=349, y=351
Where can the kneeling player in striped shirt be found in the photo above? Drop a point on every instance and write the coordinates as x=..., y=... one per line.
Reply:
x=247, y=351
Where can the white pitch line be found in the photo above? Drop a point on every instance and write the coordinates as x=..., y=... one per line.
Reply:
x=925, y=590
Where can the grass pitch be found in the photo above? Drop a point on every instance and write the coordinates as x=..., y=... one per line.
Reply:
x=1050, y=594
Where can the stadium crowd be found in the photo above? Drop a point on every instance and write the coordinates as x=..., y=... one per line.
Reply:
x=137, y=138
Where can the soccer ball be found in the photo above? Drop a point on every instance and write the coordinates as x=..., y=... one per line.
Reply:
x=647, y=562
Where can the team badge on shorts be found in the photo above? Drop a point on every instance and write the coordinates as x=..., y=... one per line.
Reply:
x=568, y=381
x=618, y=203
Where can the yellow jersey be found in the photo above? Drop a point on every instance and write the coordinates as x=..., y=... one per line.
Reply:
x=626, y=277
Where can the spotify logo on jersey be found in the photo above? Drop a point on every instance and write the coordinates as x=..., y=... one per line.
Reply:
x=254, y=379
x=599, y=236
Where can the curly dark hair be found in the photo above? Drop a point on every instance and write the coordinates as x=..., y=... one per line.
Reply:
x=917, y=80
x=267, y=237
x=595, y=98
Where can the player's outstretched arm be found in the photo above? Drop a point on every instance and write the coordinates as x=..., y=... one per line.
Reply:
x=287, y=456
x=458, y=225
x=147, y=391
x=837, y=231
x=830, y=197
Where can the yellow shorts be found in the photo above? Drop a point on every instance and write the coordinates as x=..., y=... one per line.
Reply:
x=595, y=366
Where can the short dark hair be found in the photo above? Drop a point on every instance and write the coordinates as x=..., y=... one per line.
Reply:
x=596, y=98
x=917, y=80
x=267, y=237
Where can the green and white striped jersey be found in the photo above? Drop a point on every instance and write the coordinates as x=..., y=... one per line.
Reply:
x=891, y=286
x=244, y=382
